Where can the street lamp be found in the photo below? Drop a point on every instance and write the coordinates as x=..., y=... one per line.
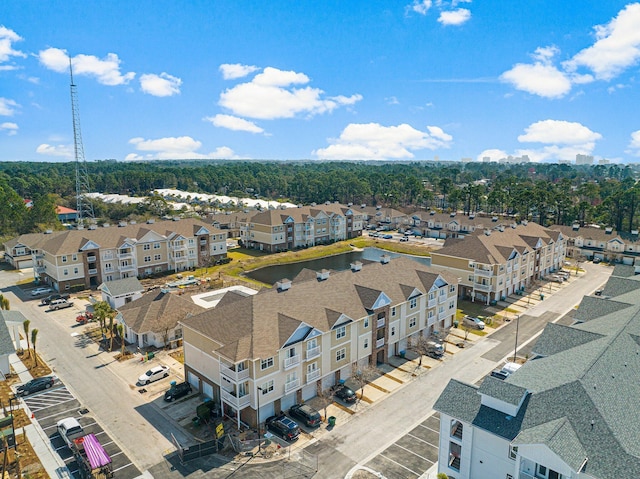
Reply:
x=515, y=349
x=258, y=419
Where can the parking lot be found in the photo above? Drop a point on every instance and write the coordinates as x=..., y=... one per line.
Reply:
x=52, y=405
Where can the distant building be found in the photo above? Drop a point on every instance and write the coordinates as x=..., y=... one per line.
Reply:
x=584, y=159
x=603, y=161
x=66, y=214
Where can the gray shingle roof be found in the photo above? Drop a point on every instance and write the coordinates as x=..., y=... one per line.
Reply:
x=119, y=287
x=499, y=389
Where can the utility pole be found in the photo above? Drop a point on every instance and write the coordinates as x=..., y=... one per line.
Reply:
x=258, y=418
x=515, y=349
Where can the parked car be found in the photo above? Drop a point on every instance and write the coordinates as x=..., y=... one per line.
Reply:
x=556, y=278
x=154, y=374
x=472, y=321
x=176, y=391
x=284, y=427
x=57, y=304
x=305, y=414
x=387, y=236
x=345, y=393
x=596, y=260
x=404, y=238
x=35, y=385
x=40, y=291
x=53, y=297
x=434, y=349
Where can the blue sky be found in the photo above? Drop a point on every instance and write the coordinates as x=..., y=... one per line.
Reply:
x=380, y=80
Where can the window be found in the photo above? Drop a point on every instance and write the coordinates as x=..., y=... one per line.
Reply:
x=65, y=272
x=513, y=452
x=74, y=257
x=365, y=343
x=147, y=259
x=393, y=330
x=64, y=259
x=75, y=270
x=452, y=288
x=456, y=429
x=341, y=332
x=266, y=363
x=393, y=311
x=156, y=245
x=158, y=269
x=146, y=247
x=157, y=257
x=366, y=322
x=267, y=387
x=413, y=302
x=341, y=354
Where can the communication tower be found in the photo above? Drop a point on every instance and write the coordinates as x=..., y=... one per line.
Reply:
x=84, y=206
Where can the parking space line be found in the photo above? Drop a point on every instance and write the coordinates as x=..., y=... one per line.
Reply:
x=410, y=451
x=122, y=467
x=401, y=465
x=429, y=428
x=53, y=415
x=422, y=440
x=116, y=454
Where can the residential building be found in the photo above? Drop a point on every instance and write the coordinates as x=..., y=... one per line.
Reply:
x=17, y=251
x=283, y=345
x=568, y=413
x=121, y=291
x=387, y=218
x=291, y=228
x=85, y=258
x=494, y=263
x=66, y=214
x=584, y=159
x=431, y=224
x=605, y=244
x=153, y=320
x=7, y=347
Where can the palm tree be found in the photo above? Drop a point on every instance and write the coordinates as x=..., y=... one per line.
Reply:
x=120, y=329
x=25, y=326
x=102, y=311
x=34, y=337
x=110, y=332
x=4, y=303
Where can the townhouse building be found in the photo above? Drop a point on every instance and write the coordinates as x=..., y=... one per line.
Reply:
x=86, y=258
x=283, y=345
x=388, y=218
x=570, y=412
x=431, y=224
x=605, y=244
x=291, y=228
x=494, y=263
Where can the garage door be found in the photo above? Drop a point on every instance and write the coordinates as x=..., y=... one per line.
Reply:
x=309, y=391
x=288, y=401
x=207, y=389
x=193, y=380
x=328, y=381
x=626, y=260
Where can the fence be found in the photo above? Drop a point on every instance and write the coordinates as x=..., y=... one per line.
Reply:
x=201, y=449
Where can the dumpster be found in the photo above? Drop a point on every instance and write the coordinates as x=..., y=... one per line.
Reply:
x=332, y=421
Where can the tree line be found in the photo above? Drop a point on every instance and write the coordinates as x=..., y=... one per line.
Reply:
x=547, y=193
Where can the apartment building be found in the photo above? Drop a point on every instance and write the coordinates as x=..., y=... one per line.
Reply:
x=86, y=258
x=570, y=412
x=283, y=345
x=291, y=228
x=431, y=224
x=605, y=244
x=494, y=263
x=388, y=218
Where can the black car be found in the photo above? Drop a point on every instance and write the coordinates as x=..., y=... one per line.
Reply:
x=176, y=391
x=284, y=427
x=53, y=297
x=305, y=414
x=345, y=393
x=35, y=385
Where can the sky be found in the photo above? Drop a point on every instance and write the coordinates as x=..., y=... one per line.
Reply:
x=331, y=80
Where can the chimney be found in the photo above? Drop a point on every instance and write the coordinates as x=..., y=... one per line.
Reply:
x=356, y=266
x=322, y=275
x=283, y=284
x=487, y=232
x=385, y=258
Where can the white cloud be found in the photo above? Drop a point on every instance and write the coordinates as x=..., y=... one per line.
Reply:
x=236, y=70
x=106, y=71
x=392, y=100
x=454, y=17
x=634, y=145
x=421, y=6
x=541, y=78
x=10, y=128
x=234, y=123
x=493, y=153
x=270, y=95
x=160, y=85
x=7, y=107
x=373, y=141
x=175, y=148
x=7, y=39
x=63, y=151
x=617, y=46
x=558, y=131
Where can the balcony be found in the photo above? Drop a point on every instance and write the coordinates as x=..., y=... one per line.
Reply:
x=232, y=374
x=179, y=247
x=203, y=241
x=312, y=353
x=93, y=271
x=41, y=269
x=124, y=254
x=482, y=287
x=442, y=298
x=483, y=272
x=432, y=303
x=291, y=386
x=127, y=267
x=313, y=375
x=291, y=361
x=443, y=315
x=180, y=259
x=91, y=259
x=237, y=402
x=380, y=322
x=379, y=343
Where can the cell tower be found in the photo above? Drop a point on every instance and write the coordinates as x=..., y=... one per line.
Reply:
x=83, y=202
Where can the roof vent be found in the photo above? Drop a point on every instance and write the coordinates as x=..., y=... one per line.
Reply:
x=487, y=232
x=385, y=258
x=472, y=216
x=608, y=230
x=93, y=227
x=122, y=223
x=150, y=221
x=452, y=215
x=283, y=284
x=356, y=266
x=494, y=218
x=322, y=275
x=525, y=222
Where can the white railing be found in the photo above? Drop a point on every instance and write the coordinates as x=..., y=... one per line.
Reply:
x=443, y=315
x=313, y=375
x=432, y=303
x=379, y=342
x=482, y=287
x=291, y=361
x=127, y=254
x=313, y=352
x=237, y=402
x=234, y=375
x=93, y=271
x=483, y=272
x=442, y=298
x=127, y=267
x=380, y=322
x=291, y=386
x=91, y=259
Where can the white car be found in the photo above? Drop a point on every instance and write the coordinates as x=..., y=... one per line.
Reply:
x=477, y=322
x=40, y=291
x=154, y=374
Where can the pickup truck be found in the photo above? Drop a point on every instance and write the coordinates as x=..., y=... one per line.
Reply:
x=93, y=461
x=59, y=304
x=69, y=429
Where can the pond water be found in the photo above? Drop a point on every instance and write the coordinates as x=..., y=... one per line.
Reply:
x=340, y=262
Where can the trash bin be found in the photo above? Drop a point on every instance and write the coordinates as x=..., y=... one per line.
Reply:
x=150, y=355
x=402, y=354
x=542, y=297
x=332, y=421
x=455, y=323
